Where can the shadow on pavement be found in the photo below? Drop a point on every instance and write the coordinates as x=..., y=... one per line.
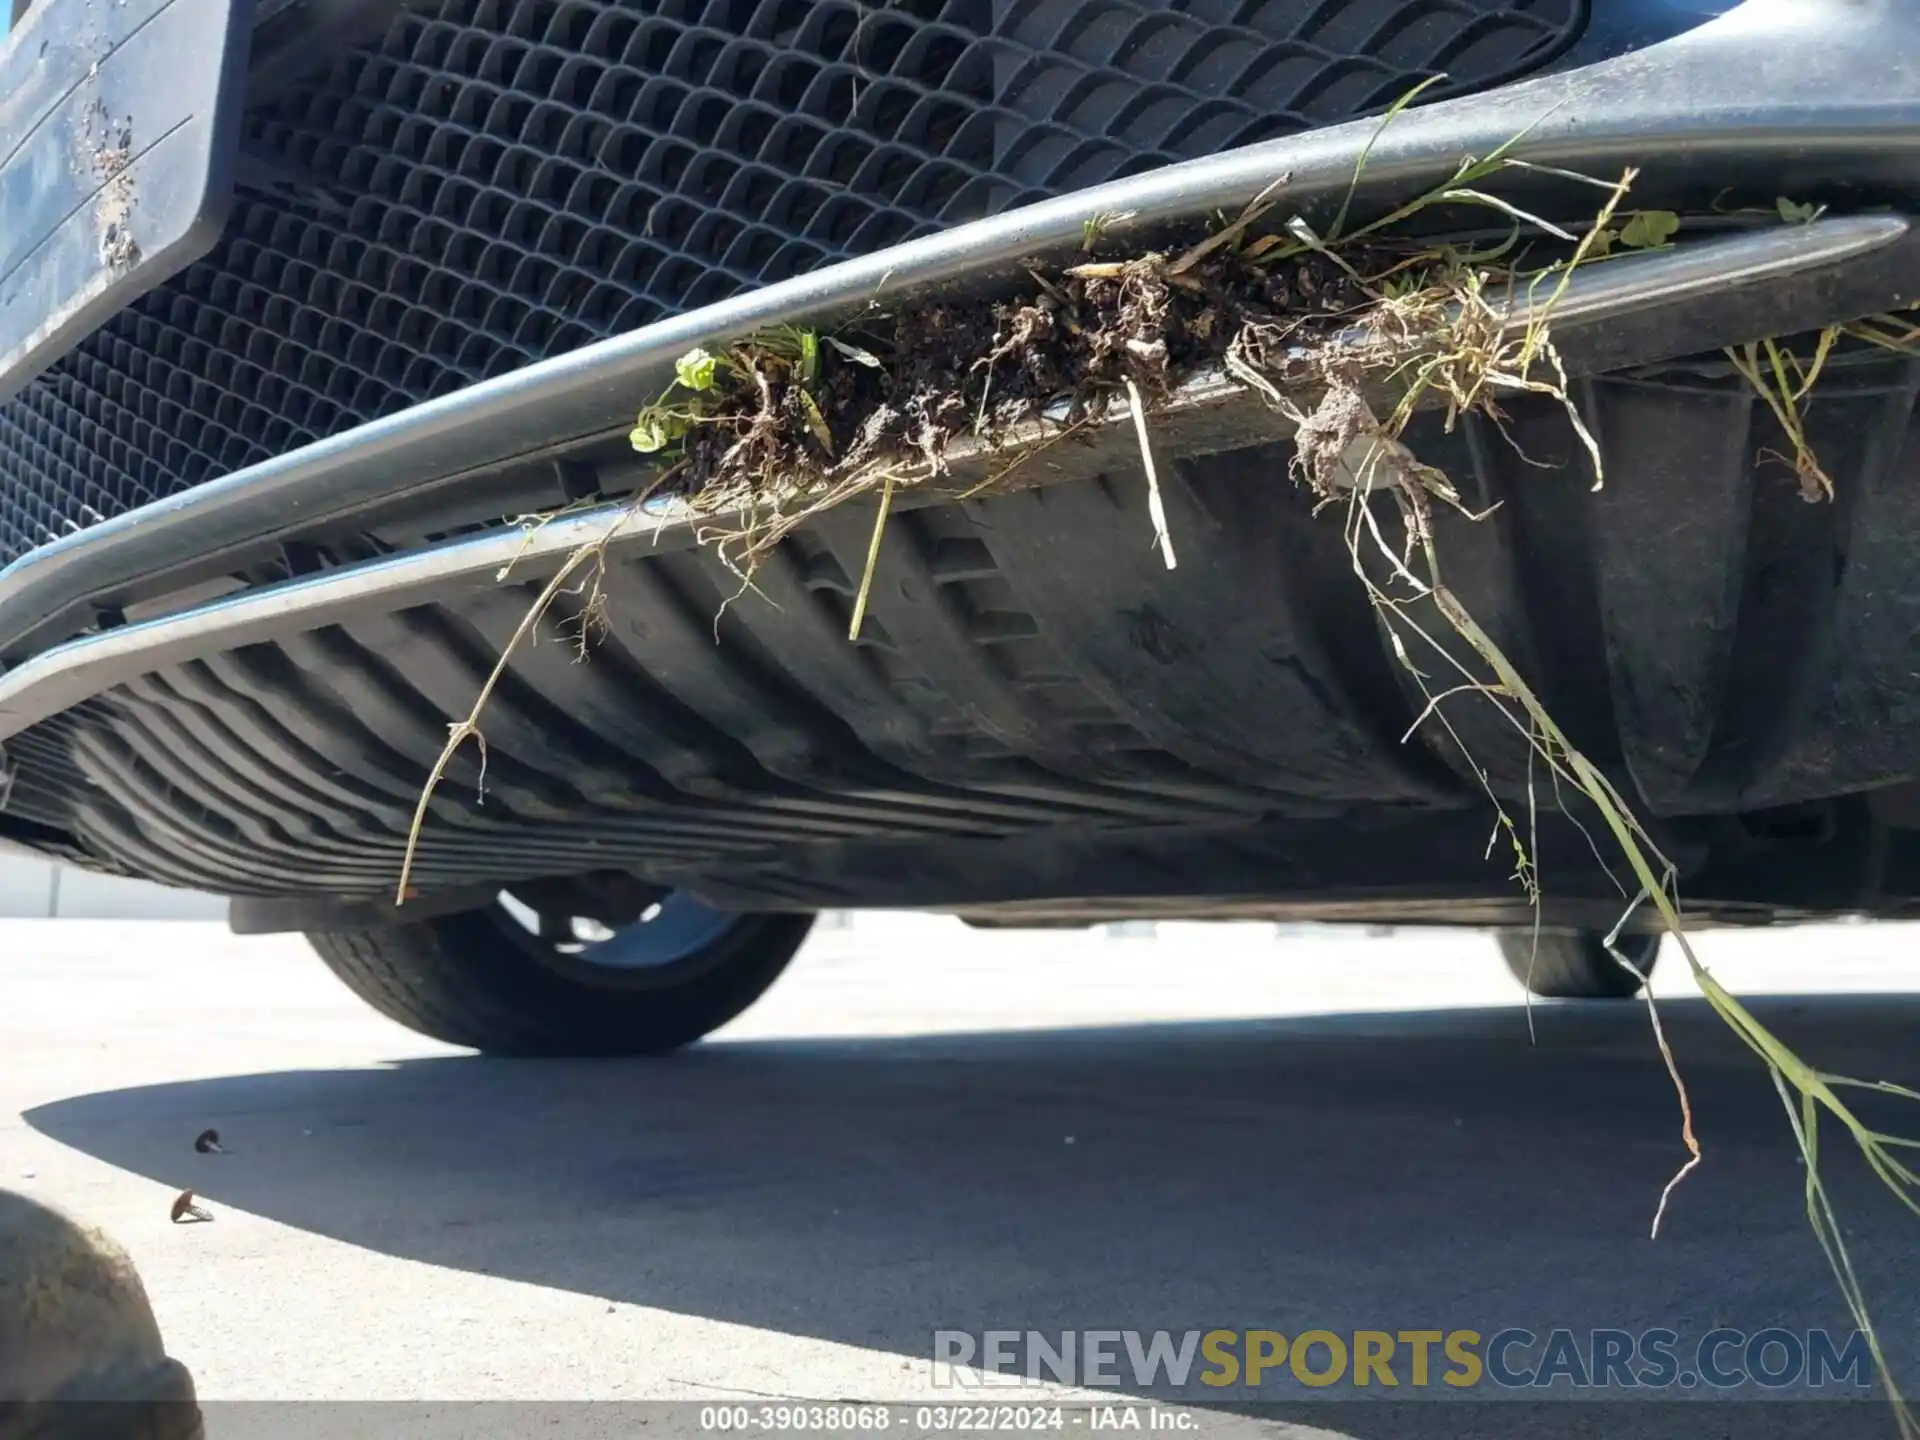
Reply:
x=1391, y=1171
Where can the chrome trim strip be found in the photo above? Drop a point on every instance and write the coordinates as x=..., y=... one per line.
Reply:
x=1634, y=283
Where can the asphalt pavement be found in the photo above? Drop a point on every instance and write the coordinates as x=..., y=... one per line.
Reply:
x=924, y=1128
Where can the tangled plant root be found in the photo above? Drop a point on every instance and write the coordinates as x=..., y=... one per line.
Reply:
x=784, y=425
x=1780, y=379
x=589, y=563
x=1806, y=1092
x=1785, y=383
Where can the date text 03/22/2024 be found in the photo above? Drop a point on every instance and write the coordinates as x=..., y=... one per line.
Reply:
x=943, y=1418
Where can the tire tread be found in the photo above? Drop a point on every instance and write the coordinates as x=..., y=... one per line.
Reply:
x=459, y=979
x=1575, y=966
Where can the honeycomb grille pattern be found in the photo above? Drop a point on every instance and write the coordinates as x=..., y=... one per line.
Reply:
x=496, y=181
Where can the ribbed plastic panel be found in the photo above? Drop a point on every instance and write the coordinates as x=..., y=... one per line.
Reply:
x=497, y=181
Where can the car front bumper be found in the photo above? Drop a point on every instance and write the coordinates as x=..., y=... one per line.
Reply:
x=861, y=796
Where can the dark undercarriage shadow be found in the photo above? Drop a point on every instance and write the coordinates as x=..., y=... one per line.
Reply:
x=1405, y=1170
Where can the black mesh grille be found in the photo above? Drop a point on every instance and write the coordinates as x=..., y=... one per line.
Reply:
x=497, y=181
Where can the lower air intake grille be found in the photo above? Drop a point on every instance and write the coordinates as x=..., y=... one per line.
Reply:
x=496, y=181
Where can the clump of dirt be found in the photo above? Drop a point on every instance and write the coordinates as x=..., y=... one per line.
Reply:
x=109, y=152
x=793, y=415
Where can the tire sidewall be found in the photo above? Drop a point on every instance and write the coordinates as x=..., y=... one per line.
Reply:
x=463, y=980
x=494, y=927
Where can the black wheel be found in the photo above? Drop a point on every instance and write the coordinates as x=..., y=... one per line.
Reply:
x=1575, y=965
x=542, y=971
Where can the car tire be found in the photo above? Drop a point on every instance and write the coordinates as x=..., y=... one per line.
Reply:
x=482, y=979
x=1575, y=965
